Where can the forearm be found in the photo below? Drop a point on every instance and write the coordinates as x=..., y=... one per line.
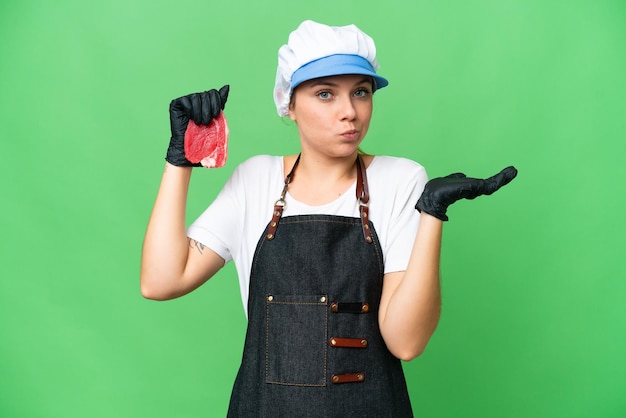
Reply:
x=411, y=305
x=166, y=247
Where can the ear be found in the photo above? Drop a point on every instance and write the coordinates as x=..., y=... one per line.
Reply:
x=292, y=114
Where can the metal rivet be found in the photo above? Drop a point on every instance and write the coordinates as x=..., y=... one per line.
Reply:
x=368, y=239
x=323, y=299
x=270, y=236
x=334, y=307
x=273, y=224
x=333, y=341
x=276, y=213
x=335, y=379
x=366, y=226
x=270, y=298
x=365, y=307
x=359, y=376
x=364, y=343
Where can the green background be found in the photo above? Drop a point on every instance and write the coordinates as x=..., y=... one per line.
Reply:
x=534, y=289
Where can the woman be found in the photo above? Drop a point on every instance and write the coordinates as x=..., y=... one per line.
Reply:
x=338, y=271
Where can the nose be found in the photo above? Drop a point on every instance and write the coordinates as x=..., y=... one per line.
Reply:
x=347, y=110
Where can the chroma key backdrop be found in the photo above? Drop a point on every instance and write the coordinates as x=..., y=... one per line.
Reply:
x=533, y=277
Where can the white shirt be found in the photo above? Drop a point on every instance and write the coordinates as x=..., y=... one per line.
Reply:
x=233, y=224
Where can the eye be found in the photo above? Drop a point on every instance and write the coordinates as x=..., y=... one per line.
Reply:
x=324, y=95
x=362, y=92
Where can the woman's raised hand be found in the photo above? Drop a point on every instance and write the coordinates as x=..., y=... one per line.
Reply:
x=199, y=107
x=441, y=192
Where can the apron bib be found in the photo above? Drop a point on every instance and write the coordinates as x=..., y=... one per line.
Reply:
x=313, y=347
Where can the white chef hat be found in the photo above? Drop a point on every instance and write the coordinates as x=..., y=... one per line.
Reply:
x=316, y=50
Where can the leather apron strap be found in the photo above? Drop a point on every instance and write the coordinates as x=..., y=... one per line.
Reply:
x=362, y=195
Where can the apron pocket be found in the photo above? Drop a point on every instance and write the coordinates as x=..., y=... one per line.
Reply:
x=296, y=339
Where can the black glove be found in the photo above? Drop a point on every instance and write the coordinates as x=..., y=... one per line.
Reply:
x=201, y=108
x=441, y=192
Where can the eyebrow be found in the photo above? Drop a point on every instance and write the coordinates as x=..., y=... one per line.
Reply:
x=324, y=81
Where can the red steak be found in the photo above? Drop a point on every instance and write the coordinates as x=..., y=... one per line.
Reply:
x=207, y=144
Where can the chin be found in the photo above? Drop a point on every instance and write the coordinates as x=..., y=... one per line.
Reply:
x=347, y=151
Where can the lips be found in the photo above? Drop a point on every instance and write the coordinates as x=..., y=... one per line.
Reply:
x=350, y=134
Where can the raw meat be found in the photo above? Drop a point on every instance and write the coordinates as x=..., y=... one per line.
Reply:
x=207, y=144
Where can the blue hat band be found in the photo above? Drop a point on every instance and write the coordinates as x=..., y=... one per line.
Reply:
x=339, y=64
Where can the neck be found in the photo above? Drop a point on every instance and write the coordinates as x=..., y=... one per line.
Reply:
x=327, y=170
x=319, y=181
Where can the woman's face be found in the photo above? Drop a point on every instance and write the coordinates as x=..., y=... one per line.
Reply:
x=333, y=113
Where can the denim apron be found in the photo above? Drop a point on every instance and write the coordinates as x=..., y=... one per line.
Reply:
x=313, y=347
